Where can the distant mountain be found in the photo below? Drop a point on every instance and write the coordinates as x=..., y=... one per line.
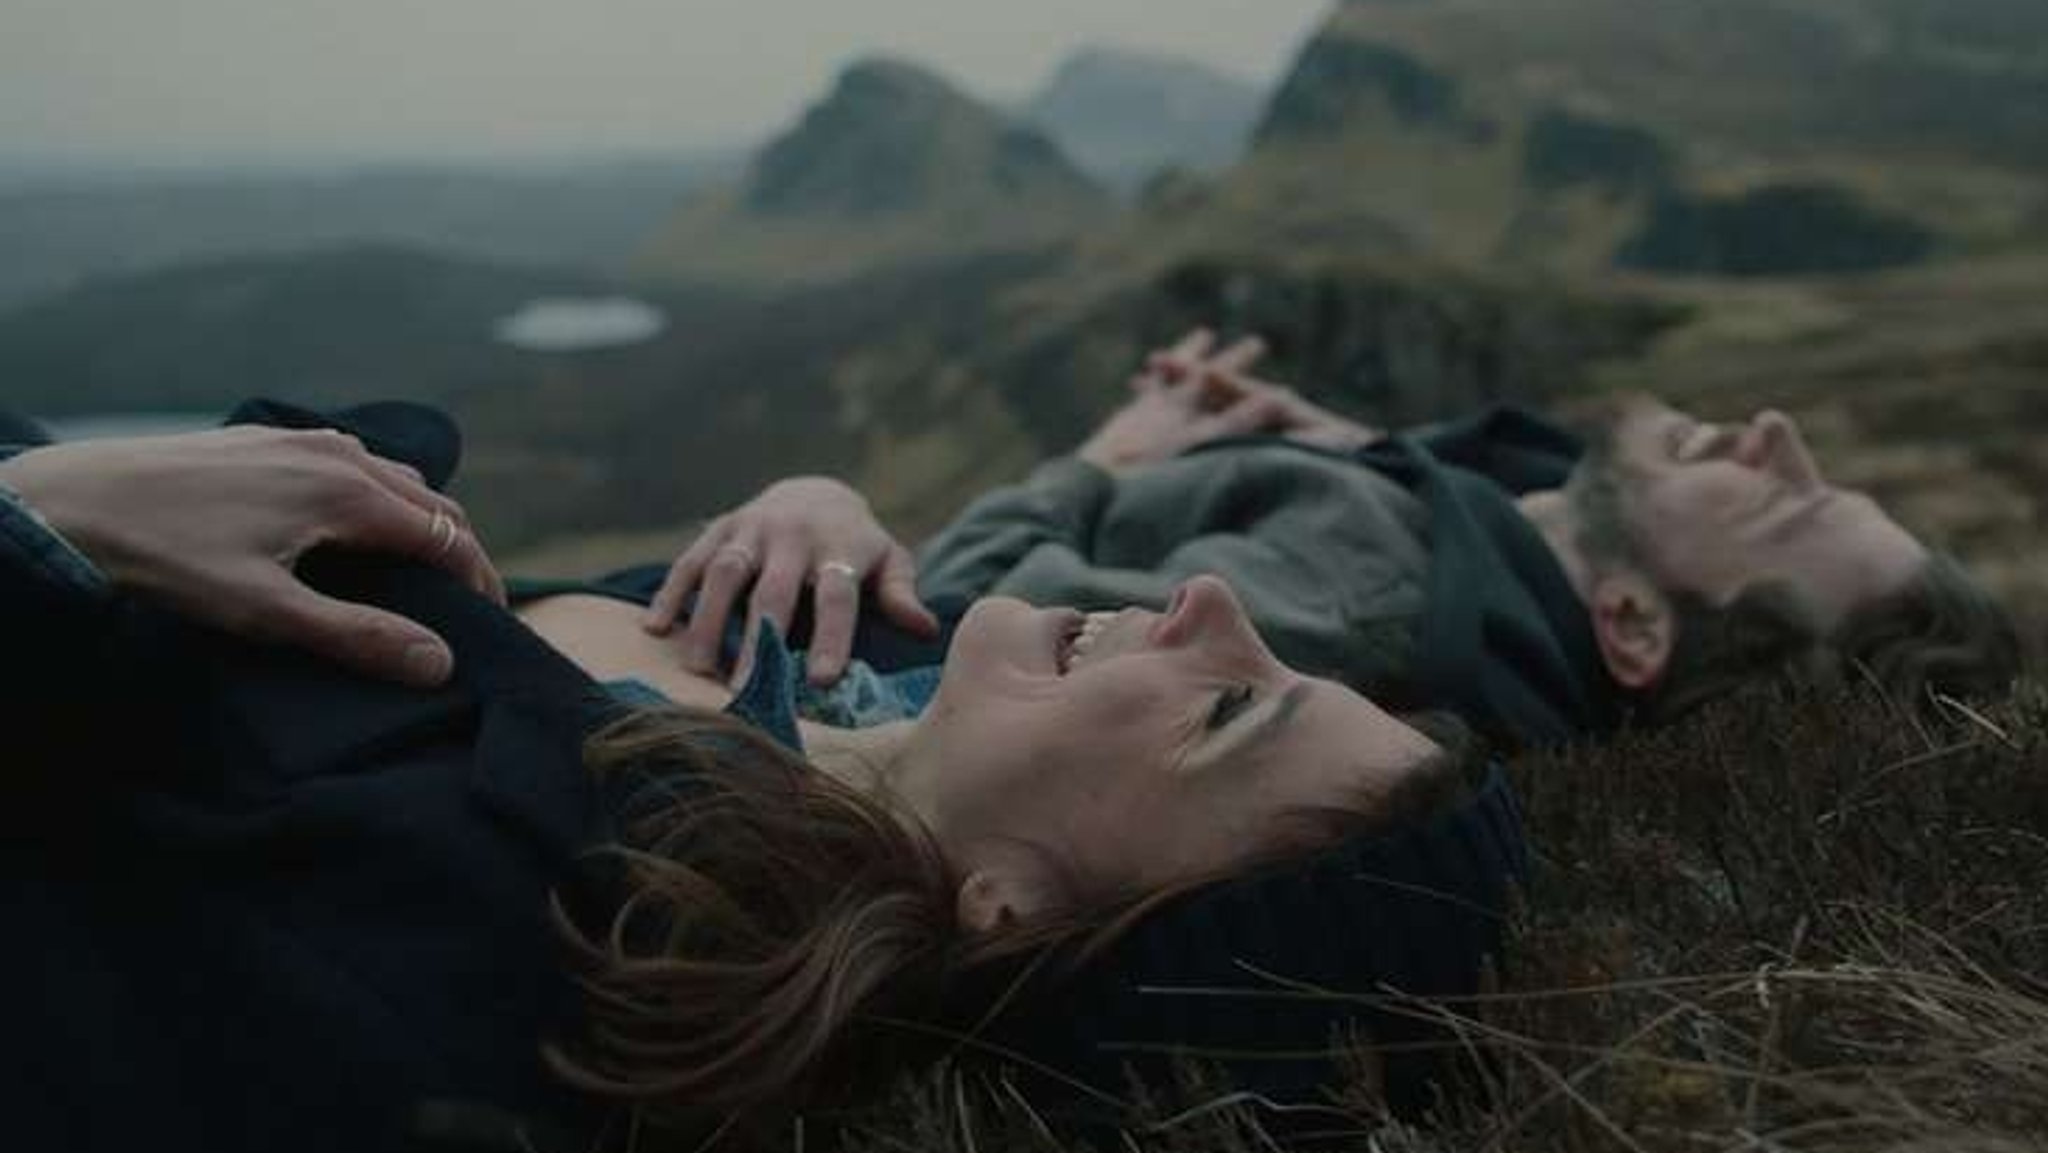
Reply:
x=895, y=165
x=1342, y=81
x=1127, y=115
x=65, y=226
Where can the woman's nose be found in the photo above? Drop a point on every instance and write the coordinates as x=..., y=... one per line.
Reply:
x=1199, y=605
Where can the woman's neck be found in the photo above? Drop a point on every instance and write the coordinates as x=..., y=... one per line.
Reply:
x=869, y=760
x=604, y=638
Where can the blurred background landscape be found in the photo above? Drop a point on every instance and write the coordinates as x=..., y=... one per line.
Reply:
x=924, y=254
x=655, y=253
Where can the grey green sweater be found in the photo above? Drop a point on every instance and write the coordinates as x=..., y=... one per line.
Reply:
x=1403, y=570
x=1328, y=558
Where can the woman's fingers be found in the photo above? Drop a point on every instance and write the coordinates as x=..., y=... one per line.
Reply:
x=470, y=563
x=835, y=592
x=774, y=598
x=727, y=573
x=372, y=641
x=682, y=579
x=896, y=593
x=384, y=521
x=443, y=517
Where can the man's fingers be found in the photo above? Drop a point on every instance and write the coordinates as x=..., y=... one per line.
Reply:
x=726, y=576
x=376, y=643
x=1257, y=412
x=1239, y=357
x=896, y=593
x=682, y=580
x=836, y=599
x=1219, y=390
x=1193, y=346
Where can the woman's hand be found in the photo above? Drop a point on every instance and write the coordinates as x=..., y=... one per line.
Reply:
x=808, y=532
x=210, y=525
x=1185, y=397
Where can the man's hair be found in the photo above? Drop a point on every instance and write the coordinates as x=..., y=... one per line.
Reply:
x=1940, y=634
x=1943, y=633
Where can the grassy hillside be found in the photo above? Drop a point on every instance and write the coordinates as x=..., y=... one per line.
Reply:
x=1543, y=135
x=1954, y=80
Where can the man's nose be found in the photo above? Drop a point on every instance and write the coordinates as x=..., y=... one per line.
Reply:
x=1773, y=441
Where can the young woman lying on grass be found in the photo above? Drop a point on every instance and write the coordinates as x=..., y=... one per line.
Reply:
x=277, y=904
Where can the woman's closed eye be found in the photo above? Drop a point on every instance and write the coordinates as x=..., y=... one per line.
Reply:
x=1229, y=704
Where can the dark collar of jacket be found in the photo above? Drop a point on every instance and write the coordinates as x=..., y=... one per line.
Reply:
x=1504, y=640
x=532, y=708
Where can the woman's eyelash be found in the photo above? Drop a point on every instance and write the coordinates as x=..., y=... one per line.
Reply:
x=1229, y=703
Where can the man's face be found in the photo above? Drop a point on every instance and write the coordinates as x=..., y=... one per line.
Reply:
x=1712, y=508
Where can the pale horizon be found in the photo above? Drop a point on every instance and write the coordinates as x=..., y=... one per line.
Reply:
x=199, y=83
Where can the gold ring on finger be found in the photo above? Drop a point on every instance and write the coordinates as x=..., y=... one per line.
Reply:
x=442, y=526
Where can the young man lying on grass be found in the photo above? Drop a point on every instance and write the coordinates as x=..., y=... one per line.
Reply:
x=1542, y=588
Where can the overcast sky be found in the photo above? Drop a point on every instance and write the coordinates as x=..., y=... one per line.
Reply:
x=311, y=79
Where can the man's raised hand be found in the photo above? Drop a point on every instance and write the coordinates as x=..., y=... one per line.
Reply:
x=1183, y=399
x=1223, y=382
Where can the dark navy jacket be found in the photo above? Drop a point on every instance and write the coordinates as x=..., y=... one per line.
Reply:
x=255, y=902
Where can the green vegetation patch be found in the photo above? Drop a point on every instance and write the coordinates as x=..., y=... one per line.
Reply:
x=1782, y=230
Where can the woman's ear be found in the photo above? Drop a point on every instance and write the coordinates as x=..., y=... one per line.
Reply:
x=1636, y=627
x=1002, y=895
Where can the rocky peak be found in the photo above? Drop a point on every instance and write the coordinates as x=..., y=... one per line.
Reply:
x=1125, y=115
x=1344, y=76
x=892, y=137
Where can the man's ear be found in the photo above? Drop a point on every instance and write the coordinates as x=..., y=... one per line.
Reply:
x=1636, y=627
x=1002, y=895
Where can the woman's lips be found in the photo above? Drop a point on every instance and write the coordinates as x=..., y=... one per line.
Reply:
x=1070, y=626
x=1081, y=644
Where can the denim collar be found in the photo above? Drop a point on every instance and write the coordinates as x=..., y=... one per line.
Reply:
x=768, y=700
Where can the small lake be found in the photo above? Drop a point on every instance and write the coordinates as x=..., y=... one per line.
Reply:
x=581, y=324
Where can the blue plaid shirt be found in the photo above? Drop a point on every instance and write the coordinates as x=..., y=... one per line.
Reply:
x=777, y=693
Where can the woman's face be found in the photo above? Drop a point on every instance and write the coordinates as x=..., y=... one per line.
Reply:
x=1128, y=750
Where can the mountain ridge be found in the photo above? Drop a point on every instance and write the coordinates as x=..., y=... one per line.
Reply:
x=894, y=166
x=1125, y=115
